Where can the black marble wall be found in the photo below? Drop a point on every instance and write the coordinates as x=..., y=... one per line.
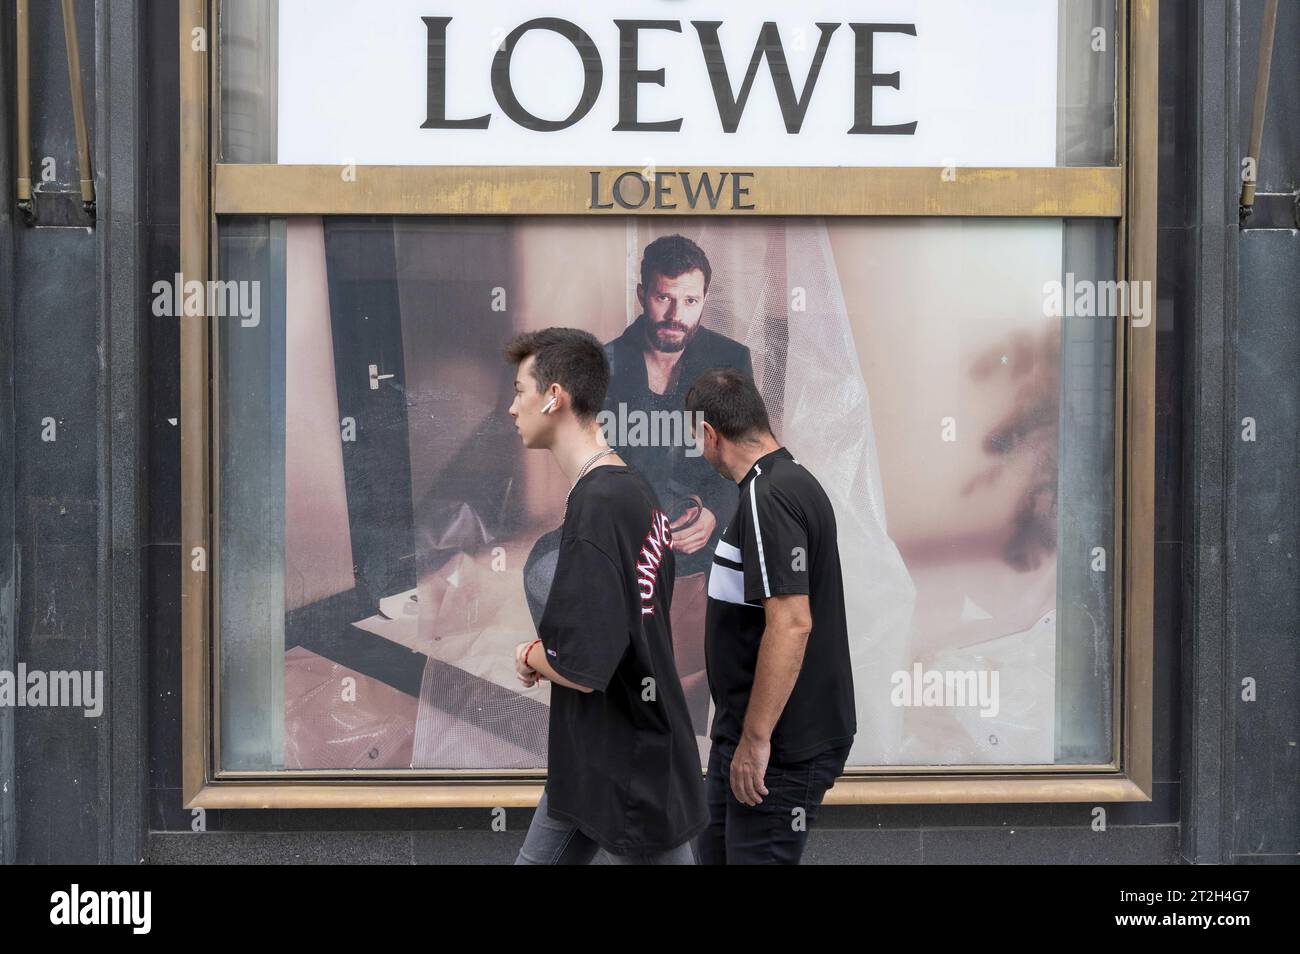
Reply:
x=1262, y=553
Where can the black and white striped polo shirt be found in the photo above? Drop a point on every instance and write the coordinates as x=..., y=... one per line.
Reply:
x=780, y=541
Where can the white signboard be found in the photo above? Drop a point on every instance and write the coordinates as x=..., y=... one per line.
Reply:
x=686, y=82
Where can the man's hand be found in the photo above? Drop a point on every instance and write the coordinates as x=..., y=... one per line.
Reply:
x=697, y=534
x=748, y=767
x=526, y=673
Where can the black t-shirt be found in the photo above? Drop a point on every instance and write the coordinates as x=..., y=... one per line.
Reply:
x=623, y=764
x=781, y=540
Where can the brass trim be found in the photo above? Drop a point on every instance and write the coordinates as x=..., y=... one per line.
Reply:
x=1119, y=383
x=475, y=776
x=1139, y=231
x=194, y=413
x=1061, y=192
x=268, y=189
x=986, y=790
x=23, y=163
x=212, y=259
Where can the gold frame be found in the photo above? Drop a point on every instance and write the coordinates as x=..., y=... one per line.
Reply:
x=256, y=189
x=1126, y=193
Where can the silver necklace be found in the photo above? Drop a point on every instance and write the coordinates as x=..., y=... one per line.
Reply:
x=595, y=457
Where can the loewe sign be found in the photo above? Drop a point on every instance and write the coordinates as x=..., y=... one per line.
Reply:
x=632, y=75
x=668, y=84
x=699, y=191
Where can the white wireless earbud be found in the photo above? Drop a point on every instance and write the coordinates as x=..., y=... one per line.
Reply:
x=546, y=408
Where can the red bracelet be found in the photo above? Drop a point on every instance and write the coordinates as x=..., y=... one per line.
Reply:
x=529, y=650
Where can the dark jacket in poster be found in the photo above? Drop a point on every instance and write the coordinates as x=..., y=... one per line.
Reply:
x=674, y=474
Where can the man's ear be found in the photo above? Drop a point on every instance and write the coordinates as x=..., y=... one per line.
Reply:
x=640, y=295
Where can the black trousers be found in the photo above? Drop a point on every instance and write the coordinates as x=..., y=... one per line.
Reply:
x=775, y=831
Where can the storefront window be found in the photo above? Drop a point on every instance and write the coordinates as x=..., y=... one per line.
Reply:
x=383, y=533
x=924, y=230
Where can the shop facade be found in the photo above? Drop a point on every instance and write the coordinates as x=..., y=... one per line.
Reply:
x=986, y=269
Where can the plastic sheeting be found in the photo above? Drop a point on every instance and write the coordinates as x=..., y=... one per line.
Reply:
x=473, y=713
x=829, y=428
x=362, y=724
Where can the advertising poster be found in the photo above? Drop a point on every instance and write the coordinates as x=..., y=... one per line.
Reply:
x=909, y=365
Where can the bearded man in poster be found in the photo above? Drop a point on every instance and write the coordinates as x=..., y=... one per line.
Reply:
x=652, y=364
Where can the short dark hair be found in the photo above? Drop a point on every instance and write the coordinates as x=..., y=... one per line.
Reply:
x=670, y=256
x=569, y=357
x=730, y=402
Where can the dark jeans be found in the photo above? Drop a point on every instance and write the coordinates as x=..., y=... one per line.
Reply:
x=775, y=831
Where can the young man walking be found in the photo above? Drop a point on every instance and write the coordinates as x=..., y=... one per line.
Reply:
x=776, y=638
x=623, y=770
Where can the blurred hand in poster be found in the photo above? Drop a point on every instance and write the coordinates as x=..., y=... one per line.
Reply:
x=1024, y=442
x=693, y=527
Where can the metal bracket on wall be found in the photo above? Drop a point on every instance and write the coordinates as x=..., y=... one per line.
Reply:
x=1273, y=210
x=1250, y=165
x=26, y=196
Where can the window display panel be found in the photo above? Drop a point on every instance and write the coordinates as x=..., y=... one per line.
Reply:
x=386, y=541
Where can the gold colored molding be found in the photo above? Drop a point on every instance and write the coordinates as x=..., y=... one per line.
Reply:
x=196, y=492
x=1139, y=242
x=262, y=189
x=847, y=791
x=984, y=790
